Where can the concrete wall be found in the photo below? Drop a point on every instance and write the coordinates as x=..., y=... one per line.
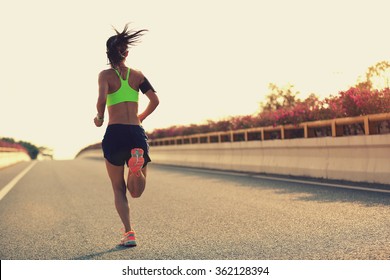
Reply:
x=11, y=157
x=355, y=158
x=93, y=154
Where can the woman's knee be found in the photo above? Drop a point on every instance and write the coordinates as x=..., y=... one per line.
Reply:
x=135, y=194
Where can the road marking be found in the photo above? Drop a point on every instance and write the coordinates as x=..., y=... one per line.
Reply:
x=308, y=182
x=15, y=180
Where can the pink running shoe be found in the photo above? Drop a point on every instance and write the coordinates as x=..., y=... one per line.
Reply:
x=136, y=161
x=128, y=239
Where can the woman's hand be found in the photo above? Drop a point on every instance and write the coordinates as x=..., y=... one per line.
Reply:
x=98, y=121
x=141, y=117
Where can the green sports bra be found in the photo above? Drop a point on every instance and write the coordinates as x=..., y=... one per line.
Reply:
x=124, y=94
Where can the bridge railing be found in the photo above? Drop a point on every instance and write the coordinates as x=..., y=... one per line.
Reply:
x=362, y=125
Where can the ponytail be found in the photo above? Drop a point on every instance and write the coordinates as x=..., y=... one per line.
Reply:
x=118, y=44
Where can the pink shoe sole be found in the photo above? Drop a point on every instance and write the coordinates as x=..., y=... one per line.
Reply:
x=136, y=161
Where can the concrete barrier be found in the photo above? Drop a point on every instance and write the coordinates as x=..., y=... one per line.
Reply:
x=363, y=158
x=93, y=153
x=10, y=156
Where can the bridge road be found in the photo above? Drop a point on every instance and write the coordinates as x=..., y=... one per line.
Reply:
x=65, y=210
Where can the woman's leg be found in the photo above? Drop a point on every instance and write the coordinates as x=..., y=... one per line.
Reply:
x=136, y=184
x=116, y=174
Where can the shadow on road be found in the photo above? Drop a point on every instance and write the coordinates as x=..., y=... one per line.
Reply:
x=97, y=255
x=309, y=191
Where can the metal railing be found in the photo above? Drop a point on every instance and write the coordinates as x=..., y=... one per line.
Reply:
x=362, y=125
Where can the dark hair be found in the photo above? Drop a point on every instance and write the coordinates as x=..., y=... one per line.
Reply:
x=118, y=44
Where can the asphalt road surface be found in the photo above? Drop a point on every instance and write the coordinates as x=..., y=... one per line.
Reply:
x=64, y=210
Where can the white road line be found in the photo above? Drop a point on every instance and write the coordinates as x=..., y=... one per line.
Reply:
x=323, y=184
x=15, y=180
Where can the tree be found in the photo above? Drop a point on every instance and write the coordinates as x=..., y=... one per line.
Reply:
x=377, y=77
x=32, y=150
x=284, y=97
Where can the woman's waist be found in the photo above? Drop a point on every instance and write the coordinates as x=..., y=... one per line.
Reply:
x=123, y=129
x=124, y=122
x=123, y=117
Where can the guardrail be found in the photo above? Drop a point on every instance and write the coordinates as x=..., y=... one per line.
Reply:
x=319, y=149
x=362, y=125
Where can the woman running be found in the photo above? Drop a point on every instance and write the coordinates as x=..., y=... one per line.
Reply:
x=125, y=140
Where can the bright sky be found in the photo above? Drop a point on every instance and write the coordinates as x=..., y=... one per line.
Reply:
x=206, y=59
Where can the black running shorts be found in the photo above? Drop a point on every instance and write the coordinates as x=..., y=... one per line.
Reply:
x=120, y=139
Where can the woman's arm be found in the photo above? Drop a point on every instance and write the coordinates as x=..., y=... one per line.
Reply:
x=153, y=103
x=101, y=102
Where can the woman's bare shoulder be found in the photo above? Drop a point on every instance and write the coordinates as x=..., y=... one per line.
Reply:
x=105, y=72
x=137, y=74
